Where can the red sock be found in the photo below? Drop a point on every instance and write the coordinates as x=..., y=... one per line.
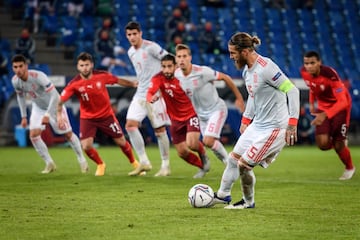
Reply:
x=345, y=157
x=128, y=152
x=201, y=149
x=94, y=155
x=194, y=160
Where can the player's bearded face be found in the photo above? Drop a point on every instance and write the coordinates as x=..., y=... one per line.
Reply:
x=237, y=56
x=168, y=69
x=85, y=68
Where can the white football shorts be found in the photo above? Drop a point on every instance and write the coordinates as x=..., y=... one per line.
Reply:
x=258, y=145
x=156, y=112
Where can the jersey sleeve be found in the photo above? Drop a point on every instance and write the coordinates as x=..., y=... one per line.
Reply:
x=342, y=102
x=50, y=89
x=67, y=92
x=157, y=51
x=110, y=78
x=273, y=75
x=209, y=74
x=153, y=88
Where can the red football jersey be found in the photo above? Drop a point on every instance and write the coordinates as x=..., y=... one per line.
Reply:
x=92, y=94
x=178, y=105
x=328, y=90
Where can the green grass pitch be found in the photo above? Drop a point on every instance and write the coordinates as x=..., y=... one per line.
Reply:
x=298, y=197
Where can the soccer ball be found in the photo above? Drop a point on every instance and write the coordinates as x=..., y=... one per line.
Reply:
x=200, y=196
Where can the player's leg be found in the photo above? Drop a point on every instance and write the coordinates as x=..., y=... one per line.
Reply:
x=339, y=128
x=211, y=134
x=231, y=172
x=87, y=134
x=70, y=137
x=36, y=127
x=136, y=113
x=260, y=147
x=159, y=120
x=112, y=128
x=194, y=143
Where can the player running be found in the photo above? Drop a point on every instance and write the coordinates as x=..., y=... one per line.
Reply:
x=45, y=98
x=184, y=129
x=89, y=86
x=332, y=116
x=198, y=84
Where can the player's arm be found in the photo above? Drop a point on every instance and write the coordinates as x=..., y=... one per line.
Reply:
x=22, y=106
x=342, y=103
x=293, y=99
x=230, y=83
x=64, y=96
x=53, y=102
x=126, y=83
x=51, y=91
x=154, y=86
x=248, y=114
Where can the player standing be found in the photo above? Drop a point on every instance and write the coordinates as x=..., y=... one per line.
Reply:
x=198, y=84
x=145, y=56
x=332, y=116
x=45, y=98
x=89, y=86
x=184, y=129
x=268, y=123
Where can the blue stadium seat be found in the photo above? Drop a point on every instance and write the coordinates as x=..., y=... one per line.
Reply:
x=87, y=28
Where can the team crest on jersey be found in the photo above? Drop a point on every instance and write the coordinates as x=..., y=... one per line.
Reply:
x=98, y=85
x=144, y=55
x=276, y=77
x=322, y=87
x=167, y=85
x=81, y=89
x=255, y=77
x=195, y=82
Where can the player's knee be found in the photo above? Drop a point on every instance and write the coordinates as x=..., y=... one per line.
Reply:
x=209, y=141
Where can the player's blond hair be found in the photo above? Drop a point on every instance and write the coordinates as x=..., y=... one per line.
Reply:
x=183, y=47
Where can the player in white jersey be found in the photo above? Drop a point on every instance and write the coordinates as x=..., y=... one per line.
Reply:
x=44, y=98
x=145, y=56
x=268, y=123
x=198, y=83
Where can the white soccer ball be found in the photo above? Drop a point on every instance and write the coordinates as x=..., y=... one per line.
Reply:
x=200, y=196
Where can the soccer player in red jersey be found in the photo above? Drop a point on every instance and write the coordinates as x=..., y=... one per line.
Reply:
x=95, y=109
x=185, y=126
x=332, y=116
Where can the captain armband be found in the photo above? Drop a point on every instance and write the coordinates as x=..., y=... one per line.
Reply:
x=286, y=86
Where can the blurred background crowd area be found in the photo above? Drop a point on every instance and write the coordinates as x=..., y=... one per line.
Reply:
x=51, y=33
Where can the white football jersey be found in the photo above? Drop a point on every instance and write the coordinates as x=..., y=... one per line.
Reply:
x=37, y=87
x=266, y=104
x=146, y=61
x=199, y=87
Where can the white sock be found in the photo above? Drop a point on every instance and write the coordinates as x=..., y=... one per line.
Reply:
x=230, y=175
x=41, y=149
x=248, y=181
x=164, y=146
x=76, y=146
x=138, y=144
x=219, y=151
